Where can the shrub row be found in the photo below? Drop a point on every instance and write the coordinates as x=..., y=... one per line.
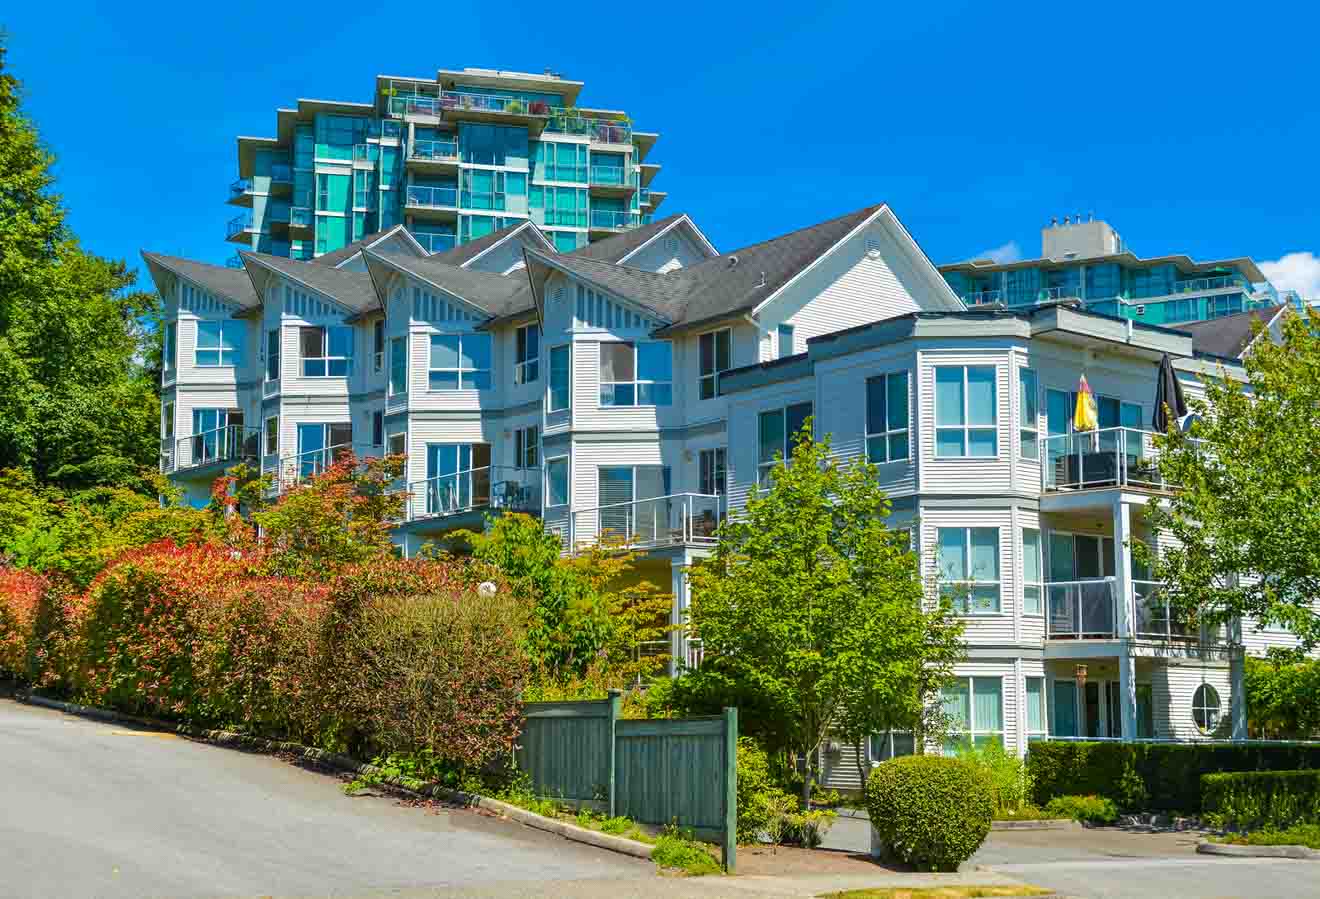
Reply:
x=1157, y=776
x=1249, y=800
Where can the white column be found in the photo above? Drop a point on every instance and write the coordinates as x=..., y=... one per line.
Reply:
x=1237, y=702
x=1127, y=668
x=678, y=614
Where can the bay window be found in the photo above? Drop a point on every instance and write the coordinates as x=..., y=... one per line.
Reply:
x=326, y=352
x=527, y=351
x=716, y=354
x=887, y=418
x=559, y=398
x=556, y=481
x=975, y=709
x=219, y=344
x=968, y=560
x=460, y=362
x=1029, y=415
x=636, y=374
x=777, y=433
x=966, y=411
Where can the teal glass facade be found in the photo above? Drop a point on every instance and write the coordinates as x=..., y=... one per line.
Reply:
x=451, y=161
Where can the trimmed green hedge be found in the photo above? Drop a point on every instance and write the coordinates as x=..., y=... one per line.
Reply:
x=1249, y=800
x=1170, y=772
x=931, y=812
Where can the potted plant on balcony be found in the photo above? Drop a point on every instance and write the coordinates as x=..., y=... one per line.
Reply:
x=514, y=107
x=539, y=107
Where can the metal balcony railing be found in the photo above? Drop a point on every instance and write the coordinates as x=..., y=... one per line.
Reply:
x=1157, y=619
x=1082, y=610
x=601, y=132
x=433, y=197
x=237, y=225
x=984, y=297
x=677, y=519
x=228, y=444
x=613, y=220
x=489, y=487
x=512, y=106
x=1109, y=457
x=436, y=150
x=297, y=467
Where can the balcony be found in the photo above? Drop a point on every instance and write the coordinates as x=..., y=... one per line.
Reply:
x=1057, y=294
x=1082, y=610
x=293, y=469
x=610, y=181
x=232, y=443
x=1157, y=619
x=492, y=487
x=600, y=131
x=240, y=229
x=467, y=107
x=984, y=298
x=1196, y=285
x=418, y=105
x=677, y=520
x=433, y=155
x=240, y=192
x=432, y=202
x=611, y=221
x=1107, y=458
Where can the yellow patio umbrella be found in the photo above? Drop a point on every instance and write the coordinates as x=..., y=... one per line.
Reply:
x=1085, y=417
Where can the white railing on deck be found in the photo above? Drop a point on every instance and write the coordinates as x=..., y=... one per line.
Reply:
x=489, y=487
x=674, y=520
x=1157, y=618
x=1109, y=457
x=1082, y=610
x=292, y=469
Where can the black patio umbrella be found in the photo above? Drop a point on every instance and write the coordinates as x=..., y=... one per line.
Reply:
x=1169, y=399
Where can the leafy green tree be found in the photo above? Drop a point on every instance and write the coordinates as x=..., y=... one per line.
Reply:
x=811, y=601
x=77, y=406
x=1283, y=696
x=1245, y=522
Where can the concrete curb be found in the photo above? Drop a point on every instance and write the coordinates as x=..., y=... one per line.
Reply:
x=1038, y=824
x=1206, y=847
x=350, y=765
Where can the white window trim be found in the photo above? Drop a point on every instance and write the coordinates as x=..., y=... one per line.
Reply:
x=1217, y=708
x=886, y=434
x=463, y=373
x=404, y=342
x=237, y=352
x=965, y=427
x=378, y=355
x=780, y=350
x=715, y=454
x=521, y=446
x=549, y=377
x=1040, y=567
x=714, y=375
x=972, y=731
x=325, y=348
x=637, y=382
x=1023, y=425
x=1044, y=732
x=568, y=480
x=532, y=362
x=971, y=582
x=763, y=469
x=167, y=414
x=265, y=436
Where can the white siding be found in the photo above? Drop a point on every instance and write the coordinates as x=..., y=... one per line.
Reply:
x=991, y=629
x=668, y=252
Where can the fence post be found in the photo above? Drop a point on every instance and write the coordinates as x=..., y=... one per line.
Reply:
x=616, y=702
x=730, y=789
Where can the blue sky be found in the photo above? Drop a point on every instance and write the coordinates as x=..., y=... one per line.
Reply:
x=1189, y=128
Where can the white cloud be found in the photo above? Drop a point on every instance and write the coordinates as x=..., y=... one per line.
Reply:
x=1295, y=271
x=1005, y=253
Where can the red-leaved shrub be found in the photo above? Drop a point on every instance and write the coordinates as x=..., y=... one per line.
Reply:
x=21, y=593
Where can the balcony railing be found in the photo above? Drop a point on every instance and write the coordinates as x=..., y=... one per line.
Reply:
x=984, y=297
x=436, y=150
x=1157, y=618
x=511, y=106
x=1081, y=610
x=608, y=174
x=599, y=131
x=230, y=443
x=677, y=519
x=298, y=467
x=1055, y=294
x=366, y=152
x=400, y=106
x=1192, y=285
x=238, y=188
x=433, y=197
x=608, y=219
x=436, y=243
x=572, y=218
x=237, y=225
x=491, y=487
x=1109, y=457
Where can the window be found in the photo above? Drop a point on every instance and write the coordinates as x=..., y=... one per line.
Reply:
x=716, y=351
x=460, y=362
x=1029, y=413
x=622, y=494
x=398, y=365
x=168, y=349
x=378, y=345
x=398, y=444
x=965, y=411
x=1065, y=708
x=777, y=432
x=969, y=568
x=712, y=481
x=975, y=708
x=378, y=428
x=891, y=744
x=785, y=341
x=556, y=481
x=559, y=380
x=527, y=351
x=273, y=354
x=1032, y=573
x=887, y=417
x=1145, y=711
x=167, y=421
x=636, y=374
x=272, y=436
x=219, y=344
x=526, y=447
x=326, y=352
x=1036, y=728
x=1205, y=708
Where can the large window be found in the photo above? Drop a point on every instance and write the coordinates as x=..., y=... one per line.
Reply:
x=526, y=447
x=326, y=352
x=975, y=709
x=460, y=362
x=1029, y=413
x=887, y=417
x=398, y=365
x=1033, y=577
x=527, y=352
x=777, y=431
x=712, y=474
x=219, y=344
x=457, y=477
x=969, y=569
x=559, y=378
x=965, y=411
x=556, y=481
x=273, y=354
x=716, y=351
x=636, y=374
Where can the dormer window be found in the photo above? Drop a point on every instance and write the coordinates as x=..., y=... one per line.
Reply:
x=326, y=352
x=219, y=344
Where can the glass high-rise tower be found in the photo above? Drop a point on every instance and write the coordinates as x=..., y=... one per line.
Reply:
x=452, y=158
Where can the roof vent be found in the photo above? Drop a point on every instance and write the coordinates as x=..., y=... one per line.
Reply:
x=733, y=260
x=762, y=284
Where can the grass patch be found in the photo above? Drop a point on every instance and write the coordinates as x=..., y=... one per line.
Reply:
x=949, y=892
x=618, y=826
x=673, y=850
x=1307, y=835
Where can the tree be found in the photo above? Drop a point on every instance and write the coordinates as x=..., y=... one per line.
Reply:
x=1245, y=521
x=77, y=405
x=810, y=600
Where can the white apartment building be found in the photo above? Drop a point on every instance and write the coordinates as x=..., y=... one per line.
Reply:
x=640, y=386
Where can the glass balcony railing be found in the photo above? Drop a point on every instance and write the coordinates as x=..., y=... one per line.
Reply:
x=984, y=297
x=366, y=152
x=438, y=150
x=300, y=217
x=681, y=518
x=1158, y=619
x=1082, y=610
x=1057, y=294
x=491, y=487
x=225, y=444
x=511, y=106
x=575, y=174
x=607, y=174
x=601, y=132
x=239, y=187
x=1109, y=457
x=433, y=197
x=237, y=225
x=401, y=106
x=566, y=218
x=281, y=173
x=643, y=196
x=436, y=243
x=1220, y=283
x=608, y=219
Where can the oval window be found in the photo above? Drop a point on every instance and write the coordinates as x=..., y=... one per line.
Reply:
x=1205, y=708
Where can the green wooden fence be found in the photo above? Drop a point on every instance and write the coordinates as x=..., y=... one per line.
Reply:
x=661, y=771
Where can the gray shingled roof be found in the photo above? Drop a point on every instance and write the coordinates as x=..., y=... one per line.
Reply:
x=1228, y=335
x=497, y=295
x=617, y=246
x=334, y=257
x=353, y=290
x=473, y=248
x=231, y=283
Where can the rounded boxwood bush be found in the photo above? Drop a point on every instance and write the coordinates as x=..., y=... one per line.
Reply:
x=930, y=812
